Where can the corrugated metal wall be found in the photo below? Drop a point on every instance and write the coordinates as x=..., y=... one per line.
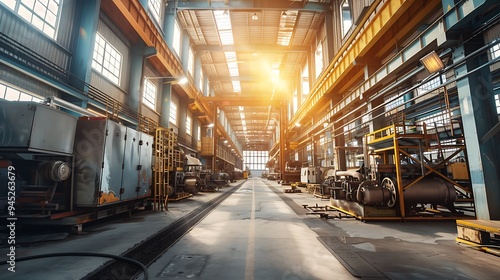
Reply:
x=20, y=80
x=25, y=34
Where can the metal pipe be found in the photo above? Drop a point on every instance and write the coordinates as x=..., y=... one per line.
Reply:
x=351, y=173
x=53, y=100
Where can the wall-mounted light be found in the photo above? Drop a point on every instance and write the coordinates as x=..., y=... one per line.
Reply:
x=432, y=62
x=255, y=17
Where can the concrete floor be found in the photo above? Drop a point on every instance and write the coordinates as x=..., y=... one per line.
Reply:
x=254, y=234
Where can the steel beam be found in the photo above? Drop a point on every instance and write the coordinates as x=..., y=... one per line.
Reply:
x=249, y=5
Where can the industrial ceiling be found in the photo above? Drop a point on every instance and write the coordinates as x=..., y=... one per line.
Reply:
x=251, y=52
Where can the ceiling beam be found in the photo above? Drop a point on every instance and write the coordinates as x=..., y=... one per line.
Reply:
x=249, y=5
x=252, y=48
x=245, y=79
x=222, y=101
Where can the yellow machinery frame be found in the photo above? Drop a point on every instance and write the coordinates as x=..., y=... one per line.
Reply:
x=388, y=141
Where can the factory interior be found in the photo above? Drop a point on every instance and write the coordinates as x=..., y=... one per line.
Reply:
x=250, y=139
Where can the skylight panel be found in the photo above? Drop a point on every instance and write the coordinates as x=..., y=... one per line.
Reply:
x=223, y=23
x=287, y=22
x=236, y=86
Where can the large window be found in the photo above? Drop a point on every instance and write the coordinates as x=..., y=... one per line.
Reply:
x=155, y=7
x=346, y=18
x=200, y=82
x=305, y=82
x=173, y=113
x=495, y=51
x=149, y=94
x=392, y=105
x=497, y=103
x=431, y=84
x=255, y=160
x=43, y=14
x=318, y=58
x=191, y=62
x=177, y=39
x=188, y=125
x=107, y=60
x=9, y=93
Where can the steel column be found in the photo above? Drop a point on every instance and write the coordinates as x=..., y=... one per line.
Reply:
x=477, y=106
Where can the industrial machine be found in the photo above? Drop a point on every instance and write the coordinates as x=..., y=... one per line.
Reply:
x=36, y=146
x=190, y=180
x=68, y=167
x=310, y=175
x=112, y=163
x=401, y=180
x=292, y=172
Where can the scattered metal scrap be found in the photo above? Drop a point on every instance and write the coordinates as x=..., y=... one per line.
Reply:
x=325, y=212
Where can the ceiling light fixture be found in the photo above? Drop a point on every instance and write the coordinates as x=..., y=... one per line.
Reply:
x=255, y=17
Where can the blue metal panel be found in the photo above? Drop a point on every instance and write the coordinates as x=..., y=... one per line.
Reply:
x=462, y=14
x=479, y=116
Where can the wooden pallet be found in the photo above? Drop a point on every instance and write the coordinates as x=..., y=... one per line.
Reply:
x=478, y=231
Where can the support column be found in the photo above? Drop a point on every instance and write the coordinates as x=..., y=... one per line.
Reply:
x=330, y=35
x=282, y=139
x=377, y=116
x=477, y=106
x=340, y=156
x=140, y=53
x=84, y=44
x=214, y=139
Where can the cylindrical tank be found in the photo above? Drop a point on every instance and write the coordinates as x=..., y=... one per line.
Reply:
x=350, y=173
x=190, y=185
x=374, y=196
x=425, y=191
x=430, y=190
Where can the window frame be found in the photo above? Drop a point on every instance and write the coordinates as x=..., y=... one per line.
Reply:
x=29, y=14
x=189, y=122
x=172, y=118
x=344, y=28
x=154, y=7
x=149, y=94
x=104, y=59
